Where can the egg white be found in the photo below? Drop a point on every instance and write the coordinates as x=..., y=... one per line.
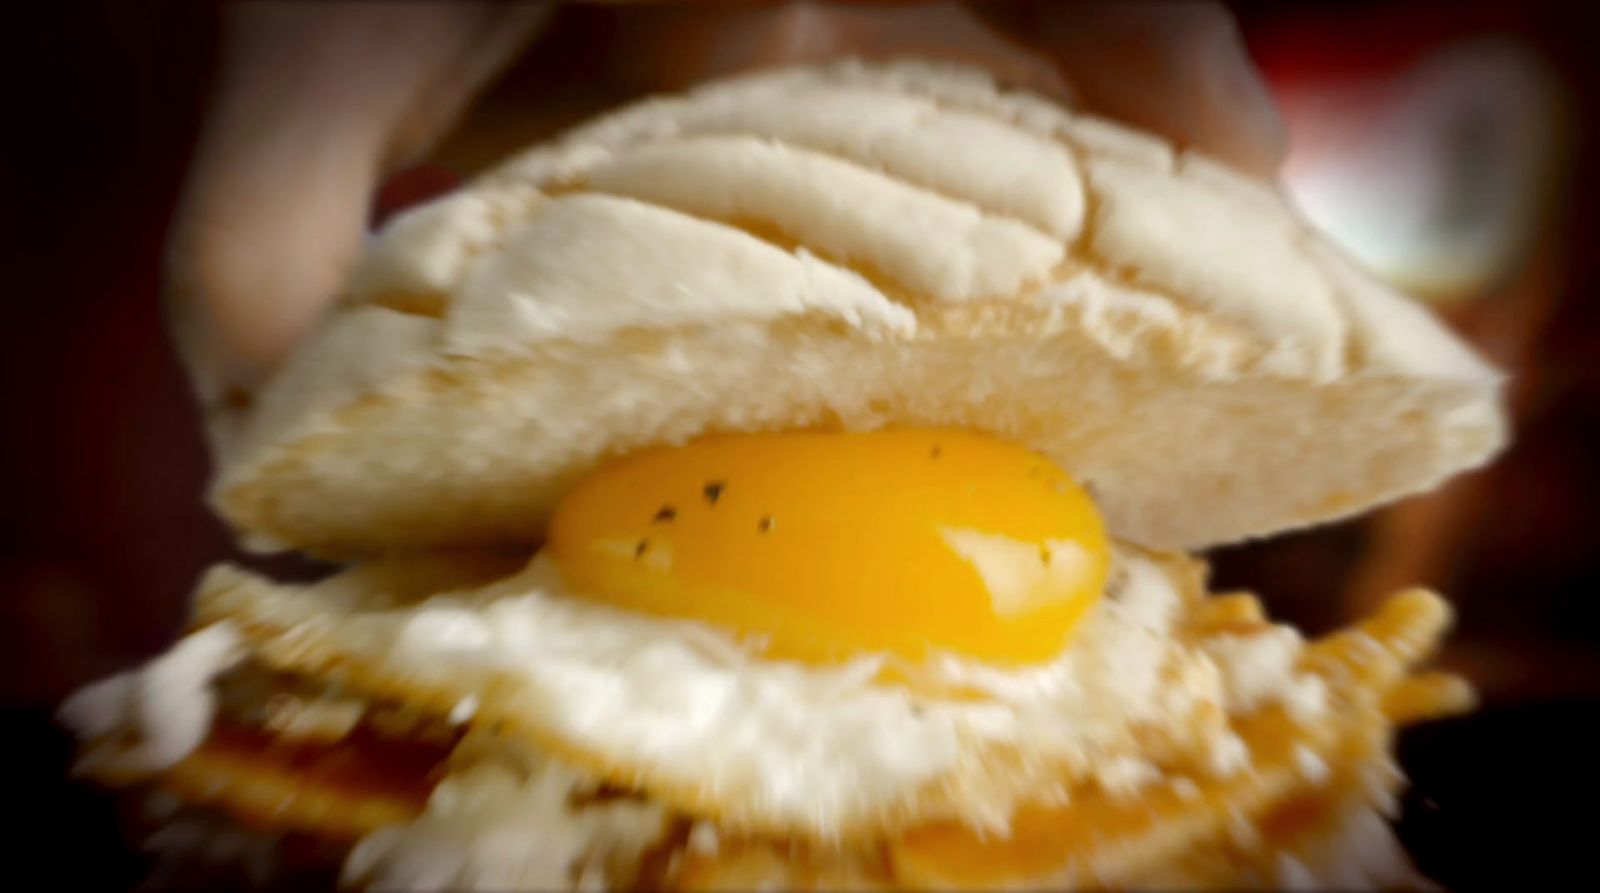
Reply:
x=782, y=744
x=793, y=752
x=692, y=718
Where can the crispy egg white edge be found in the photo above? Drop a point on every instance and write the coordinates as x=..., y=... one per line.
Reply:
x=681, y=699
x=685, y=704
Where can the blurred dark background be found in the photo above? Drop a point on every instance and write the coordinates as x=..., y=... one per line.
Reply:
x=1486, y=109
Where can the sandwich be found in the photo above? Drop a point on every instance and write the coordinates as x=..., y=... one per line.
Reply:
x=803, y=481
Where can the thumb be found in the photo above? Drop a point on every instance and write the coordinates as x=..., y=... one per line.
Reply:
x=313, y=103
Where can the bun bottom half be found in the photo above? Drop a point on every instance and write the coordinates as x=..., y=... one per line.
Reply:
x=1332, y=837
x=1310, y=810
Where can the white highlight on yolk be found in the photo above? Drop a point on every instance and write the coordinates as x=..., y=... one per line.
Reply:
x=1023, y=576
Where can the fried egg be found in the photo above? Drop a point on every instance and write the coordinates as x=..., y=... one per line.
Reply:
x=908, y=656
x=828, y=545
x=813, y=634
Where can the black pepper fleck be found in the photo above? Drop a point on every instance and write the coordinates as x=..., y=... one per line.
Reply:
x=639, y=549
x=935, y=452
x=665, y=514
x=765, y=524
x=713, y=491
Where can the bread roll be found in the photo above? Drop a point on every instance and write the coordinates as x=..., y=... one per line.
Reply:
x=853, y=246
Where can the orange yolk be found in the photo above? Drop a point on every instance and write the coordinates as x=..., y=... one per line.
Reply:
x=823, y=546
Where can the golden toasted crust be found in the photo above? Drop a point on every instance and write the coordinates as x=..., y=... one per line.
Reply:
x=327, y=796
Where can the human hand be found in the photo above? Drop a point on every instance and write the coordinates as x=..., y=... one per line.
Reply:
x=316, y=104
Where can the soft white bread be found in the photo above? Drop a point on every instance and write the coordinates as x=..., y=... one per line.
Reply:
x=854, y=246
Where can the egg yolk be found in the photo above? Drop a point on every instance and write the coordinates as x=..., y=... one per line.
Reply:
x=823, y=546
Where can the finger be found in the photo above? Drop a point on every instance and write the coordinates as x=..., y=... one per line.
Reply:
x=1180, y=69
x=675, y=47
x=312, y=104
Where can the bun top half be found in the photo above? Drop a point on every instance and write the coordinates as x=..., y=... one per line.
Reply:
x=853, y=246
